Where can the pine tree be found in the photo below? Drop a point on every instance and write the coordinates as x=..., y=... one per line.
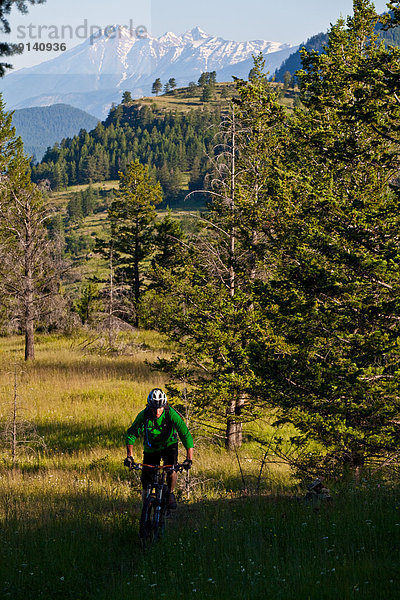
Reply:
x=225, y=92
x=157, y=87
x=172, y=83
x=196, y=178
x=209, y=313
x=212, y=78
x=192, y=88
x=74, y=208
x=252, y=74
x=327, y=353
x=203, y=80
x=207, y=94
x=88, y=201
x=127, y=98
x=132, y=215
x=87, y=303
x=168, y=242
x=287, y=80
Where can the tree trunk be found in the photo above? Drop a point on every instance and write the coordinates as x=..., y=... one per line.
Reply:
x=111, y=301
x=29, y=316
x=357, y=461
x=29, y=341
x=234, y=428
x=232, y=248
x=136, y=275
x=14, y=432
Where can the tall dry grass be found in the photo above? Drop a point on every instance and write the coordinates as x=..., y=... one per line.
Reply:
x=69, y=513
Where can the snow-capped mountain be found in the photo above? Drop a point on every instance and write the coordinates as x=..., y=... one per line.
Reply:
x=93, y=74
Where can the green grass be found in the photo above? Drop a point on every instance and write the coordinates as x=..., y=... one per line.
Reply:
x=73, y=189
x=275, y=547
x=69, y=514
x=80, y=542
x=183, y=99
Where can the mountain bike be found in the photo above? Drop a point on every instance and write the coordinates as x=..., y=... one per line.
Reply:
x=155, y=506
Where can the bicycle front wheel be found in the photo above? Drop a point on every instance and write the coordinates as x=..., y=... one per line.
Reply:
x=161, y=519
x=146, y=527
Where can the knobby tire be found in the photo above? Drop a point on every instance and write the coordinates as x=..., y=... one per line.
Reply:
x=146, y=527
x=152, y=525
x=162, y=522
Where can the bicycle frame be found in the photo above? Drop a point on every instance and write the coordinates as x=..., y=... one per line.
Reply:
x=159, y=481
x=154, y=511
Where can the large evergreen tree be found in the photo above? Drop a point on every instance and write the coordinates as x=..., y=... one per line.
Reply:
x=127, y=97
x=172, y=83
x=132, y=216
x=290, y=298
x=327, y=351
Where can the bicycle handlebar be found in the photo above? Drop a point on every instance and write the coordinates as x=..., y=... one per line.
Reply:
x=177, y=467
x=139, y=466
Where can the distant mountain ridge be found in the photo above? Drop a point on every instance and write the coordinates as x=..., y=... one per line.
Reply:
x=41, y=127
x=93, y=74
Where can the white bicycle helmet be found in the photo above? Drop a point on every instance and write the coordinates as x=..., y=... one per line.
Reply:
x=156, y=399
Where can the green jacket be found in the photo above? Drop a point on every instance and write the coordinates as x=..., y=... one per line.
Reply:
x=161, y=432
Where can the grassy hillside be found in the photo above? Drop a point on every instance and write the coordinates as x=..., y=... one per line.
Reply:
x=59, y=199
x=185, y=99
x=69, y=513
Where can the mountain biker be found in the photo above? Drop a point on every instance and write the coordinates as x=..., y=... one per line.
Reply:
x=159, y=424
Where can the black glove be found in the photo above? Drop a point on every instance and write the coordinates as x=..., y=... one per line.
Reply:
x=187, y=464
x=129, y=462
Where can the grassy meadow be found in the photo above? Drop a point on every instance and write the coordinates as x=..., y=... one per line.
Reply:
x=69, y=511
x=183, y=99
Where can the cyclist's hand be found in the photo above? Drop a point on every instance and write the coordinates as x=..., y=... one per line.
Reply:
x=187, y=464
x=129, y=462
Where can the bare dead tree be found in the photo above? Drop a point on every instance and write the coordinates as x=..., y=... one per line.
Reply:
x=17, y=433
x=224, y=182
x=28, y=277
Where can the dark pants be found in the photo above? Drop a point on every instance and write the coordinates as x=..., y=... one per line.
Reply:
x=169, y=456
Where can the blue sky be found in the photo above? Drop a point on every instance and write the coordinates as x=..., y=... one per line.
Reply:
x=290, y=21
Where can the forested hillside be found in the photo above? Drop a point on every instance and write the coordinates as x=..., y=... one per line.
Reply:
x=170, y=142
x=293, y=62
x=172, y=134
x=42, y=126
